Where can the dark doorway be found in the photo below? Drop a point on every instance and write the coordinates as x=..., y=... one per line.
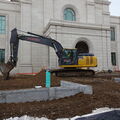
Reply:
x=82, y=47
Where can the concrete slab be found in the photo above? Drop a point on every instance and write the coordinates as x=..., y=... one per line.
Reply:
x=86, y=89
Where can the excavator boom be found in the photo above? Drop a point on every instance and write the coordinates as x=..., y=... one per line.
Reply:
x=5, y=68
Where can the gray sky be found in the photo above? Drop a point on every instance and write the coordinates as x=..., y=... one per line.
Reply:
x=115, y=7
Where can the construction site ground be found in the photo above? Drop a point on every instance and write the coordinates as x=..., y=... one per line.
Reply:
x=106, y=93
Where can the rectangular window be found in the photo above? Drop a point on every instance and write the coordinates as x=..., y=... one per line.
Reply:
x=2, y=24
x=113, y=58
x=112, y=34
x=2, y=55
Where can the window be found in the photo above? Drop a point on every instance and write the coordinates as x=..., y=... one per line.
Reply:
x=112, y=34
x=113, y=58
x=2, y=55
x=2, y=24
x=69, y=14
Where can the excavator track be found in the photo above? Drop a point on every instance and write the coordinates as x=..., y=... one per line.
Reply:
x=73, y=72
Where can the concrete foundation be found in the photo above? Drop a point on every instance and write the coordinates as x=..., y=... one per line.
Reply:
x=42, y=94
x=117, y=80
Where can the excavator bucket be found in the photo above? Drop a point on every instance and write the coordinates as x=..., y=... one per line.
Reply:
x=5, y=69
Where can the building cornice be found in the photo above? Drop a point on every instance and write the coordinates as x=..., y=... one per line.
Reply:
x=8, y=2
x=90, y=3
x=106, y=13
x=102, y=2
x=69, y=24
x=112, y=16
x=9, y=6
x=26, y=1
x=17, y=2
x=115, y=20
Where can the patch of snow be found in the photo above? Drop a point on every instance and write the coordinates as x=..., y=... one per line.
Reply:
x=37, y=87
x=101, y=110
x=25, y=117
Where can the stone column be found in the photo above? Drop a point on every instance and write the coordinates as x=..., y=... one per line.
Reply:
x=108, y=50
x=118, y=44
x=48, y=11
x=90, y=11
x=25, y=56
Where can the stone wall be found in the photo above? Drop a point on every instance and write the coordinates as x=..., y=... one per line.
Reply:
x=115, y=45
x=43, y=94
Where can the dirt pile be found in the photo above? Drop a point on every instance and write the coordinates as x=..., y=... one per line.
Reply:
x=55, y=81
x=27, y=81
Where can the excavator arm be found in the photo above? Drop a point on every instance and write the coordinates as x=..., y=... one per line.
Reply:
x=5, y=68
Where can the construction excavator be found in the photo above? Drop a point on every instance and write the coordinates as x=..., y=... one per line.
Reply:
x=71, y=62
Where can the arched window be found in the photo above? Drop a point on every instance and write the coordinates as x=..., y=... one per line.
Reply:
x=69, y=14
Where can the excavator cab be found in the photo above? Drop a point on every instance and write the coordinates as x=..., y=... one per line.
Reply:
x=69, y=57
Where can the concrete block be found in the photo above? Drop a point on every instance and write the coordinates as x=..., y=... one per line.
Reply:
x=117, y=80
x=43, y=94
x=52, y=93
x=2, y=98
x=86, y=89
x=15, y=97
x=28, y=95
x=65, y=92
x=69, y=84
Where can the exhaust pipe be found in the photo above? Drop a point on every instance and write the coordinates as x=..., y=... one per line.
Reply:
x=5, y=69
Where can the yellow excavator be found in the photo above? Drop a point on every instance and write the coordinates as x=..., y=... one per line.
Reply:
x=71, y=62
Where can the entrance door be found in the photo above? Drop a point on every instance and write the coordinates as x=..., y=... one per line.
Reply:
x=82, y=47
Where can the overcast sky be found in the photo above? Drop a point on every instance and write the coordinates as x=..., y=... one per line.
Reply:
x=115, y=7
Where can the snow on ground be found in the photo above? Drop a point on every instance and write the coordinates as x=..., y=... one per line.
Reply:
x=94, y=112
x=25, y=117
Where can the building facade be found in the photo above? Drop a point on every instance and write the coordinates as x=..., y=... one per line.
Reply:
x=83, y=24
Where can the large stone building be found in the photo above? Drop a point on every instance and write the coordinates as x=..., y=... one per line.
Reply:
x=83, y=24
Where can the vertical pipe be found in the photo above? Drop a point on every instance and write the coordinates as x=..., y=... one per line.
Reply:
x=48, y=79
